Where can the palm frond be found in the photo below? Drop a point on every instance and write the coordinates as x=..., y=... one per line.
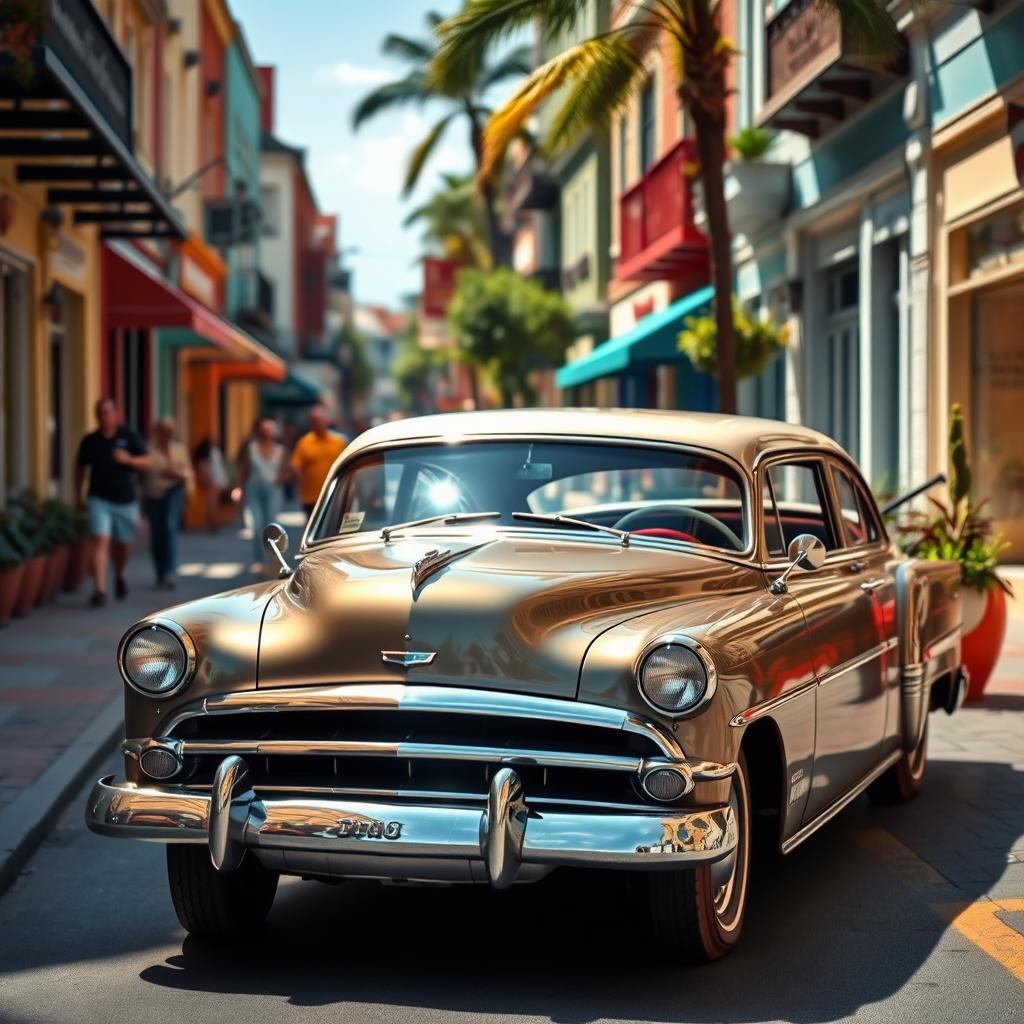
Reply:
x=411, y=89
x=603, y=70
x=482, y=23
x=516, y=64
x=868, y=21
x=421, y=153
x=418, y=51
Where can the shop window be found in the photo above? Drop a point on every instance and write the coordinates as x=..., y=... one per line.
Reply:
x=840, y=380
x=996, y=242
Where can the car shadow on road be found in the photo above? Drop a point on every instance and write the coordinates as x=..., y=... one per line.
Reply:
x=829, y=929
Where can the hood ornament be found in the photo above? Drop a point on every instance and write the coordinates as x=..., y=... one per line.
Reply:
x=407, y=659
x=431, y=562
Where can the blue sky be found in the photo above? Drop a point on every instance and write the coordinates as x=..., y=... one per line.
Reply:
x=327, y=54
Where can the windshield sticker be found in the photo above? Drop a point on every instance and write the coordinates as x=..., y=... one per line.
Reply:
x=352, y=521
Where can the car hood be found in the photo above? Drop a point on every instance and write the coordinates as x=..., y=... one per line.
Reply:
x=496, y=611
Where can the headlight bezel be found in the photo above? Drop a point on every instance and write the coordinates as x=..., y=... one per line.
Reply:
x=187, y=645
x=697, y=648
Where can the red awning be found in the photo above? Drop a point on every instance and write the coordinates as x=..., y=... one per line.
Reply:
x=136, y=296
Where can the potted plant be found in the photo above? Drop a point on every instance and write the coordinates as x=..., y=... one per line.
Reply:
x=29, y=527
x=758, y=339
x=78, y=554
x=59, y=528
x=12, y=566
x=957, y=531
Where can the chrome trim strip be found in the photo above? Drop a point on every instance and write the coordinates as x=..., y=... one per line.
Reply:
x=862, y=659
x=393, y=832
x=941, y=644
x=409, y=697
x=756, y=711
x=833, y=809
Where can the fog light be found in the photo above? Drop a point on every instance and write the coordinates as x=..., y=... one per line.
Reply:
x=666, y=784
x=160, y=763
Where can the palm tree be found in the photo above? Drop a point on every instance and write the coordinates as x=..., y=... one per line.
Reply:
x=464, y=101
x=453, y=222
x=599, y=75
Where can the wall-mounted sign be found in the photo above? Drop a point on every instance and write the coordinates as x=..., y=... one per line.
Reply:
x=68, y=260
x=79, y=38
x=803, y=39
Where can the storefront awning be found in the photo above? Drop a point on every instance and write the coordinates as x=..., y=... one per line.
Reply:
x=293, y=390
x=654, y=340
x=72, y=118
x=136, y=296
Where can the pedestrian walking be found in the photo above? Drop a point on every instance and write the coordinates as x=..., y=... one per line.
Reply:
x=262, y=471
x=165, y=486
x=111, y=457
x=211, y=478
x=314, y=455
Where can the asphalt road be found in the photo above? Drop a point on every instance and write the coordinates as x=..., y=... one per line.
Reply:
x=853, y=925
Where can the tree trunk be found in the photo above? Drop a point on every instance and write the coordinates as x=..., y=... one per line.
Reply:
x=711, y=151
x=497, y=240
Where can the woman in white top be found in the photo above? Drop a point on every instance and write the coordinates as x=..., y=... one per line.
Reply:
x=263, y=470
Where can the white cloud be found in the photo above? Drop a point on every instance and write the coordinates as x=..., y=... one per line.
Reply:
x=375, y=164
x=346, y=73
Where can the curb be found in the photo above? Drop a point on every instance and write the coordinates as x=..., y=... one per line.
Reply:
x=25, y=822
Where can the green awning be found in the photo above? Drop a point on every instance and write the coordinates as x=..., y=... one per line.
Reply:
x=293, y=390
x=654, y=340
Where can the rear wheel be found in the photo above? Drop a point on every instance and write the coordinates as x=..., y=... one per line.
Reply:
x=211, y=903
x=698, y=914
x=903, y=781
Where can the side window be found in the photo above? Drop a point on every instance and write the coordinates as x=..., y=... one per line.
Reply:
x=793, y=503
x=858, y=525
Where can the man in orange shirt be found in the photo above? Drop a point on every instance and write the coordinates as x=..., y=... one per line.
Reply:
x=313, y=456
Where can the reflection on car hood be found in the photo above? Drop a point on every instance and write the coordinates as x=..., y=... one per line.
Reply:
x=498, y=610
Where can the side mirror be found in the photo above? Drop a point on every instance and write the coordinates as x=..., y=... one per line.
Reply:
x=275, y=543
x=805, y=552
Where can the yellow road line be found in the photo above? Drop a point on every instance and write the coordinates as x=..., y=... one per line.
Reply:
x=975, y=921
x=978, y=922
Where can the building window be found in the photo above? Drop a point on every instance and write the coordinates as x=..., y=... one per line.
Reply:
x=842, y=355
x=270, y=199
x=648, y=126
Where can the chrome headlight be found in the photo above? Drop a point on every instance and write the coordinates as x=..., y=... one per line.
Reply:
x=157, y=657
x=675, y=674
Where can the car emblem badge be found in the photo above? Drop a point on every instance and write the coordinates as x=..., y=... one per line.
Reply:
x=407, y=659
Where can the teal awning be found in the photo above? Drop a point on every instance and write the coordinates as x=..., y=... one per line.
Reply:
x=654, y=340
x=293, y=390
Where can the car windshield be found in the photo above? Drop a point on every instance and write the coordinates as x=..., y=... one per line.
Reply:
x=670, y=494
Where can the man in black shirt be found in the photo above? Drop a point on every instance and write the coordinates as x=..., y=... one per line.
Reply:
x=112, y=455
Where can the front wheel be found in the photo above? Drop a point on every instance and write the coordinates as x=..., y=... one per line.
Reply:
x=698, y=914
x=218, y=904
x=903, y=781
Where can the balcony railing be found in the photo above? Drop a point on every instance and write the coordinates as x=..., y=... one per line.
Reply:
x=658, y=238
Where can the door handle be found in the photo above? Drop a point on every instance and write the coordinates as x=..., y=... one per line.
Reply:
x=871, y=585
x=856, y=567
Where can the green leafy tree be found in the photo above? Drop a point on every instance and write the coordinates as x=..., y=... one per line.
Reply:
x=453, y=224
x=357, y=373
x=595, y=78
x=417, y=370
x=508, y=326
x=464, y=102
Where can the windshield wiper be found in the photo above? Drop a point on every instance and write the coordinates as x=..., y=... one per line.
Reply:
x=560, y=520
x=444, y=518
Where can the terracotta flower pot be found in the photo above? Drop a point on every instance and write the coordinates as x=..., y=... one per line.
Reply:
x=56, y=570
x=984, y=627
x=78, y=562
x=10, y=584
x=31, y=584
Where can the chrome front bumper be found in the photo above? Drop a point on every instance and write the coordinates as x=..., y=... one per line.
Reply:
x=416, y=842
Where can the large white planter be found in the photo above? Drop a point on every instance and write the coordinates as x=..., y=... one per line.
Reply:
x=756, y=195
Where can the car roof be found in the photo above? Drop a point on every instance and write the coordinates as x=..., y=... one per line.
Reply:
x=744, y=438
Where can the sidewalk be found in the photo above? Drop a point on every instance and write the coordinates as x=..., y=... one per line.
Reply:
x=60, y=691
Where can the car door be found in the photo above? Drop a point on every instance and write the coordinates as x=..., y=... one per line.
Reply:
x=842, y=636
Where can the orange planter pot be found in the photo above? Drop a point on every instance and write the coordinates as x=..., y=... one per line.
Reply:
x=78, y=562
x=982, y=640
x=56, y=567
x=31, y=584
x=10, y=585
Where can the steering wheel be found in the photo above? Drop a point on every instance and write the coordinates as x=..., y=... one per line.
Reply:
x=695, y=514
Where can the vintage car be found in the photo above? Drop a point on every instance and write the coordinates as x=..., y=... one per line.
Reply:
x=514, y=641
